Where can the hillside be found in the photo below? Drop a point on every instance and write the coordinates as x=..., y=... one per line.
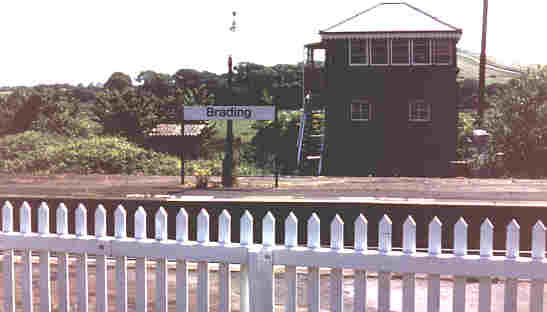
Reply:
x=468, y=62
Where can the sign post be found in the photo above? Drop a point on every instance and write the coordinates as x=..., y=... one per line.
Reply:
x=227, y=162
x=276, y=161
x=231, y=113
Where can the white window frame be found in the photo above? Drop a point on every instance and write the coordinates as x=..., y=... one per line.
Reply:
x=367, y=51
x=434, y=53
x=387, y=51
x=409, y=53
x=428, y=110
x=360, y=102
x=430, y=52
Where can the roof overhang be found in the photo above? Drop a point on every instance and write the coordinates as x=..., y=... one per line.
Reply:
x=456, y=35
x=315, y=45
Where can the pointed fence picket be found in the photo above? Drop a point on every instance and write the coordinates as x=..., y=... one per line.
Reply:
x=25, y=228
x=257, y=261
x=140, y=262
x=314, y=236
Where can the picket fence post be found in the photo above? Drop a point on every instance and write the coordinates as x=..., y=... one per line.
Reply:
x=384, y=278
x=336, y=282
x=81, y=274
x=512, y=249
x=203, y=266
x=101, y=265
x=434, y=280
x=486, y=251
x=246, y=240
x=409, y=279
x=45, y=273
x=62, y=261
x=120, y=232
x=538, y=254
x=291, y=241
x=162, y=295
x=260, y=261
x=460, y=250
x=314, y=238
x=360, y=279
x=225, y=283
x=140, y=262
x=182, y=268
x=9, y=270
x=26, y=229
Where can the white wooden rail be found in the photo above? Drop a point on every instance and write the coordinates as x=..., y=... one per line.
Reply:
x=257, y=261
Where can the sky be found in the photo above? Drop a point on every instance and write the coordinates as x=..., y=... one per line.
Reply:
x=60, y=41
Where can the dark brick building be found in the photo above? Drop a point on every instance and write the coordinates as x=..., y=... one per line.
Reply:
x=389, y=92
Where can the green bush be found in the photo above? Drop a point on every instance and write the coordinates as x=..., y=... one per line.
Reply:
x=209, y=167
x=275, y=138
x=35, y=152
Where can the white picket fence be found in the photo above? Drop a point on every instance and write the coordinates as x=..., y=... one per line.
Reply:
x=257, y=261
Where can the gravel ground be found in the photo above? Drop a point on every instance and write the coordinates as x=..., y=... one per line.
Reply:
x=120, y=186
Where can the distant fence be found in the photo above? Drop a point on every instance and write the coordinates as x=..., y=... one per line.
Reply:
x=257, y=260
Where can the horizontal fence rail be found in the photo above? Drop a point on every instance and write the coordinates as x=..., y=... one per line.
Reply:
x=257, y=261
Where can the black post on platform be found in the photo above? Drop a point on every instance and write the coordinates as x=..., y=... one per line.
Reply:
x=227, y=173
x=276, y=159
x=181, y=116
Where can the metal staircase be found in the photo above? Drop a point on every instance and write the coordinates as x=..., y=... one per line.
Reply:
x=311, y=141
x=311, y=144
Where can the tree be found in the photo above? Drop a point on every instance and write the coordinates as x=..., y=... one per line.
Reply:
x=159, y=84
x=517, y=122
x=118, y=81
x=61, y=111
x=131, y=112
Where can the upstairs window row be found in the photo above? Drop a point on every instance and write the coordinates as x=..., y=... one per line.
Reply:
x=400, y=51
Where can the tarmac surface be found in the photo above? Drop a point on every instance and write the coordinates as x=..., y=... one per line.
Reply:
x=324, y=189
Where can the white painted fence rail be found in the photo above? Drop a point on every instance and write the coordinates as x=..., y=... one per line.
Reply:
x=257, y=261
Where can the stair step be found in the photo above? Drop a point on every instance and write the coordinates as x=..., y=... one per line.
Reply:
x=313, y=157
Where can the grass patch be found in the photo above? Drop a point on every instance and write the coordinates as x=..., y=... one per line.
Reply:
x=242, y=129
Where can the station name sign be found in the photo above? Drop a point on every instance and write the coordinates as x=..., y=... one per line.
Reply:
x=229, y=113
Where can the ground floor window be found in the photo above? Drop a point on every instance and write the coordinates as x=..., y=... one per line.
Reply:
x=419, y=110
x=360, y=110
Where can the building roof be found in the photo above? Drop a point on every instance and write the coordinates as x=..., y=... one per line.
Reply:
x=400, y=19
x=174, y=130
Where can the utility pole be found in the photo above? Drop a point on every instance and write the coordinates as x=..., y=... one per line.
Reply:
x=482, y=67
x=227, y=173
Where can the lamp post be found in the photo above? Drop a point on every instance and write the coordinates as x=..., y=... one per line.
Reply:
x=227, y=173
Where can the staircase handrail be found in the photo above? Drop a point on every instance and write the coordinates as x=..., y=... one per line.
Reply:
x=300, y=137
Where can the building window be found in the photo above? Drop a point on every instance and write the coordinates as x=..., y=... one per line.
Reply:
x=360, y=110
x=421, y=51
x=442, y=51
x=400, y=51
x=419, y=110
x=358, y=52
x=379, y=51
